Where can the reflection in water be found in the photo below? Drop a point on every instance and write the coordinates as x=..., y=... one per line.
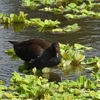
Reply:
x=73, y=69
x=52, y=77
x=17, y=27
x=88, y=35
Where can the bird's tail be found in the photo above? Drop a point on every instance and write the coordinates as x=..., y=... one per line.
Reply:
x=13, y=42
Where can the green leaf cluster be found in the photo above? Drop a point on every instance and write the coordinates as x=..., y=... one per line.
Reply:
x=21, y=18
x=32, y=87
x=72, y=55
x=44, y=25
x=68, y=28
x=19, y=22
x=94, y=63
x=74, y=9
x=82, y=10
x=12, y=53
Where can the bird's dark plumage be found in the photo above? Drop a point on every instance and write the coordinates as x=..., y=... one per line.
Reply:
x=30, y=49
x=50, y=57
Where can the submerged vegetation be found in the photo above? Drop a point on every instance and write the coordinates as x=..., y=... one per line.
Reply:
x=33, y=87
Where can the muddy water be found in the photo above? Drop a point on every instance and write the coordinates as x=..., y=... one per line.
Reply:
x=88, y=35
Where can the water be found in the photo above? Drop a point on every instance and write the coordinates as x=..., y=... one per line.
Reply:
x=88, y=35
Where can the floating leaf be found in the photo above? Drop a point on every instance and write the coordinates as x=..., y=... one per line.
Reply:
x=1, y=82
x=79, y=57
x=72, y=5
x=92, y=93
x=12, y=53
x=45, y=70
x=98, y=64
x=79, y=46
x=97, y=95
x=9, y=95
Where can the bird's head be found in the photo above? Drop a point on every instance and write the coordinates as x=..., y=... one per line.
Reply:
x=56, y=48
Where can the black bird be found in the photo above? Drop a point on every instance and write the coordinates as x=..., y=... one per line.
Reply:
x=30, y=49
x=49, y=58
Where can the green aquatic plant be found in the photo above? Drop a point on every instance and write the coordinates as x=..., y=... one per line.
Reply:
x=21, y=18
x=94, y=63
x=12, y=53
x=13, y=18
x=93, y=60
x=81, y=11
x=73, y=9
x=69, y=28
x=33, y=4
x=72, y=55
x=19, y=22
x=34, y=87
x=44, y=25
x=70, y=9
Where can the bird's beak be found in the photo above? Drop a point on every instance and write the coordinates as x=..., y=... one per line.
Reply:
x=57, y=51
x=57, y=54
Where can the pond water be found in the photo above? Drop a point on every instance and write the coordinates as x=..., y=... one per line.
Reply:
x=88, y=35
